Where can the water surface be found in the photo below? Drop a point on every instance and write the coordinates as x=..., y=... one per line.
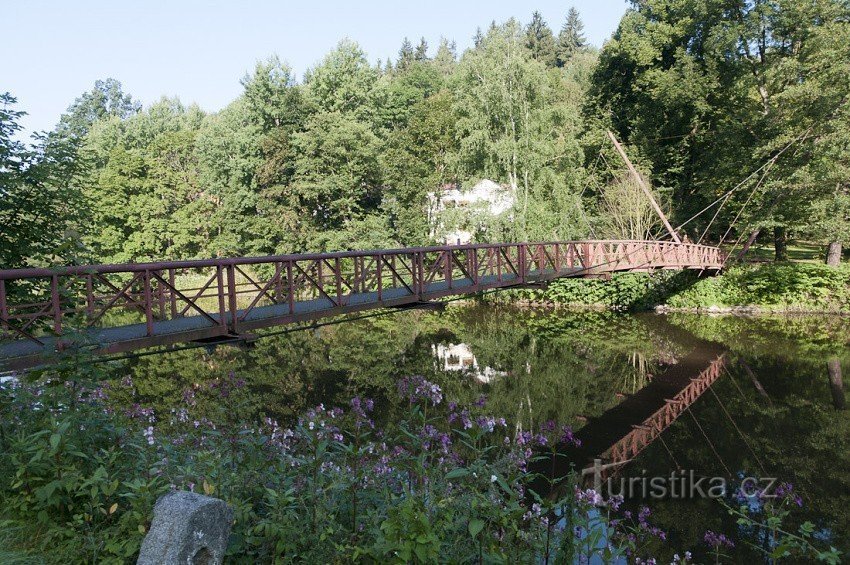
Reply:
x=778, y=409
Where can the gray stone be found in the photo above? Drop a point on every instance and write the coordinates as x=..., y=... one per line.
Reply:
x=187, y=528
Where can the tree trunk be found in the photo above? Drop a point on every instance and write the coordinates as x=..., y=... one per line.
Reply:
x=780, y=243
x=836, y=384
x=750, y=241
x=756, y=382
x=833, y=254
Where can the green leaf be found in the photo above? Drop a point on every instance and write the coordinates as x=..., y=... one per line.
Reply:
x=457, y=473
x=54, y=441
x=475, y=526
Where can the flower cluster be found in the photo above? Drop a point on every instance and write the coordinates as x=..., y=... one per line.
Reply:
x=417, y=388
x=716, y=541
x=361, y=408
x=136, y=411
x=785, y=491
x=319, y=420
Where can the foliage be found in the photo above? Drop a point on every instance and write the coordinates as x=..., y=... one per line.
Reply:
x=708, y=92
x=446, y=483
x=624, y=291
x=765, y=518
x=41, y=205
x=781, y=286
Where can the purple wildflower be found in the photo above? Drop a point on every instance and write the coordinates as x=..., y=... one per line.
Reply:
x=717, y=541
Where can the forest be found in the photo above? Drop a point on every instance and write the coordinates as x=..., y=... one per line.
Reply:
x=743, y=105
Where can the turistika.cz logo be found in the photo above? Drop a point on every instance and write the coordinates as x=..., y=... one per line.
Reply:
x=679, y=484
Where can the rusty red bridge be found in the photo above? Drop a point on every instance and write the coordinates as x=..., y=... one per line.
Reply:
x=103, y=309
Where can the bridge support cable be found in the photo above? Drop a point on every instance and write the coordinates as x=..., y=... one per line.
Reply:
x=670, y=453
x=740, y=433
x=708, y=441
x=643, y=187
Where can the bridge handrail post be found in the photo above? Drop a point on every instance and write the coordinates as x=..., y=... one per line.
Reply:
x=4, y=308
x=379, y=277
x=146, y=294
x=56, y=304
x=222, y=307
x=290, y=291
x=419, y=274
x=233, y=304
x=172, y=294
x=521, y=251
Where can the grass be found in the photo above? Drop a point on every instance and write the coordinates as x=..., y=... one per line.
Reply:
x=799, y=251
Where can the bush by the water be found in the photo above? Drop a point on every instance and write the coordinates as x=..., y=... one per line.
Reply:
x=770, y=286
x=624, y=291
x=80, y=474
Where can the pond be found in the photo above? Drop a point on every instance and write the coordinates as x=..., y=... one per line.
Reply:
x=775, y=406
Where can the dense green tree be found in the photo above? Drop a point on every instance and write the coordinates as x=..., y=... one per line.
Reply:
x=518, y=124
x=540, y=40
x=343, y=82
x=708, y=92
x=143, y=189
x=419, y=159
x=339, y=174
x=41, y=206
x=273, y=96
x=571, y=39
x=105, y=99
x=229, y=154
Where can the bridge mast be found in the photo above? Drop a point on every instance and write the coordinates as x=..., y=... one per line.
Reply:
x=645, y=189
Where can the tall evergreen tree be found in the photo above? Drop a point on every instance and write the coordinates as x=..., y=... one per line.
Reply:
x=446, y=57
x=571, y=39
x=540, y=40
x=478, y=37
x=406, y=55
x=421, y=53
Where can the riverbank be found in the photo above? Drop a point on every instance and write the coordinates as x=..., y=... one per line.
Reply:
x=743, y=289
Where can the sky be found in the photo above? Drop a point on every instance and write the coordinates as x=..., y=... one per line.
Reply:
x=198, y=51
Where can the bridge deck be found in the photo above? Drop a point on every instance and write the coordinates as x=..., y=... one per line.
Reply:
x=181, y=301
x=124, y=338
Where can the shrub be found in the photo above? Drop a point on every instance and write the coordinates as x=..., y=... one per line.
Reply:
x=774, y=286
x=446, y=483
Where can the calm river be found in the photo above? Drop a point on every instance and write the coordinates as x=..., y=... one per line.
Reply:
x=778, y=409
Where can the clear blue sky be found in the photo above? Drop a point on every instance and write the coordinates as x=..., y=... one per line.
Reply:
x=198, y=51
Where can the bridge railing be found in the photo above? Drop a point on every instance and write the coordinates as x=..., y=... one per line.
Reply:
x=648, y=431
x=214, y=297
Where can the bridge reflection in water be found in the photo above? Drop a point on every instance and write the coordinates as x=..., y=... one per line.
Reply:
x=619, y=435
x=117, y=308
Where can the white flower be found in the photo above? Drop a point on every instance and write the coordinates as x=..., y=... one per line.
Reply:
x=492, y=478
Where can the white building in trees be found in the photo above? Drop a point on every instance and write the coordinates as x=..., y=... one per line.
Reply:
x=455, y=215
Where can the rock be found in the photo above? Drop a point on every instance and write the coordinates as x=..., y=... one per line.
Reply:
x=187, y=528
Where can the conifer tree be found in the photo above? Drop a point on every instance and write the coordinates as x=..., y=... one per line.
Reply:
x=571, y=40
x=406, y=55
x=421, y=53
x=540, y=40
